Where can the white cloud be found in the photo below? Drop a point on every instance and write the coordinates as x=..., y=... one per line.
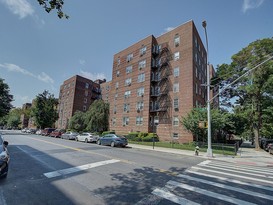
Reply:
x=19, y=100
x=251, y=4
x=22, y=8
x=82, y=62
x=15, y=68
x=92, y=76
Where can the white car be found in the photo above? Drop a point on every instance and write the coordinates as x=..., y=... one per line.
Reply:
x=87, y=137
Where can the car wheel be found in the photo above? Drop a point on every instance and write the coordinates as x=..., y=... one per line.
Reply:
x=86, y=140
x=112, y=144
x=98, y=142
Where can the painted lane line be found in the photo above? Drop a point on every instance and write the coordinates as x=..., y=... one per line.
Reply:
x=231, y=180
x=233, y=175
x=223, y=186
x=227, y=169
x=79, y=168
x=173, y=198
x=209, y=193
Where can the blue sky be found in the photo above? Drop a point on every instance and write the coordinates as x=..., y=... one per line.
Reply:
x=38, y=51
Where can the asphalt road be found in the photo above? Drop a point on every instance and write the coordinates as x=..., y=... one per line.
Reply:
x=45, y=170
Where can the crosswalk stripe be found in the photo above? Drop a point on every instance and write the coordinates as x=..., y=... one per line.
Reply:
x=226, y=187
x=230, y=180
x=227, y=169
x=234, y=175
x=209, y=193
x=172, y=197
x=230, y=167
x=79, y=168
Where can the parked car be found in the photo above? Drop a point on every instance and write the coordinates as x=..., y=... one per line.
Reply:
x=69, y=135
x=4, y=158
x=38, y=132
x=113, y=140
x=87, y=137
x=266, y=143
x=269, y=146
x=47, y=131
x=57, y=133
x=270, y=150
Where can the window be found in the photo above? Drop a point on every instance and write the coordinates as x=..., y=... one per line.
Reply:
x=139, y=120
x=196, y=72
x=118, y=61
x=116, y=85
x=176, y=72
x=175, y=121
x=176, y=40
x=126, y=107
x=114, y=120
x=140, y=91
x=127, y=94
x=118, y=73
x=175, y=103
x=176, y=56
x=196, y=88
x=84, y=108
x=85, y=100
x=143, y=50
x=86, y=93
x=86, y=85
x=129, y=57
x=176, y=87
x=125, y=121
x=142, y=64
x=116, y=96
x=128, y=81
x=140, y=105
x=175, y=135
x=129, y=69
x=141, y=78
x=115, y=109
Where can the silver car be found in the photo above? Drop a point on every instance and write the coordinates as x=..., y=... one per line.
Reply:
x=69, y=135
x=87, y=137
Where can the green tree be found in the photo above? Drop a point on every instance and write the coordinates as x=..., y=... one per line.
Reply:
x=50, y=5
x=5, y=98
x=97, y=116
x=253, y=92
x=76, y=122
x=44, y=110
x=13, y=119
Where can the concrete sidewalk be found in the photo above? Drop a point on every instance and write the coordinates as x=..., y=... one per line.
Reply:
x=246, y=155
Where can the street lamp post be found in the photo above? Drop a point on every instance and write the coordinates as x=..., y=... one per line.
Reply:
x=209, y=150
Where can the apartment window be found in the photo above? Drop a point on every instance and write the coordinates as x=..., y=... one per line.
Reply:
x=128, y=81
x=176, y=56
x=114, y=120
x=129, y=69
x=85, y=100
x=139, y=120
x=116, y=96
x=118, y=61
x=115, y=109
x=196, y=88
x=175, y=103
x=142, y=64
x=86, y=93
x=141, y=78
x=176, y=40
x=116, y=86
x=175, y=135
x=196, y=57
x=125, y=121
x=176, y=87
x=86, y=85
x=127, y=94
x=118, y=73
x=196, y=72
x=175, y=121
x=176, y=72
x=129, y=57
x=84, y=108
x=140, y=105
x=126, y=107
x=195, y=41
x=140, y=91
x=143, y=50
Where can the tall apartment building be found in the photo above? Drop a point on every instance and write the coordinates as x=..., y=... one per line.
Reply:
x=76, y=94
x=158, y=80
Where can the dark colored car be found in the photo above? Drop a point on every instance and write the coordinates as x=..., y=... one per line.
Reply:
x=47, y=131
x=57, y=133
x=266, y=143
x=4, y=158
x=113, y=140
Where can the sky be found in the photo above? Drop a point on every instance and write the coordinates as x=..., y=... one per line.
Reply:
x=39, y=51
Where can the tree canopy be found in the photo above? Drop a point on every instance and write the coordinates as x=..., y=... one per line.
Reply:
x=50, y=5
x=5, y=98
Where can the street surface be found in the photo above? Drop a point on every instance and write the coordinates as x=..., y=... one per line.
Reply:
x=45, y=170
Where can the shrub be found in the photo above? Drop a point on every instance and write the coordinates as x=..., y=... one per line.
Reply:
x=108, y=132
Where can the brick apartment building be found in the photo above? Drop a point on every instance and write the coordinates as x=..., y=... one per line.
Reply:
x=76, y=94
x=158, y=79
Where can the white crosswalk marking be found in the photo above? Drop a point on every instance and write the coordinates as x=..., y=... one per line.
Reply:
x=224, y=182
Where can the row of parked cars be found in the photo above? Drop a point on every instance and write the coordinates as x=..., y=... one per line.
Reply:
x=266, y=144
x=108, y=139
